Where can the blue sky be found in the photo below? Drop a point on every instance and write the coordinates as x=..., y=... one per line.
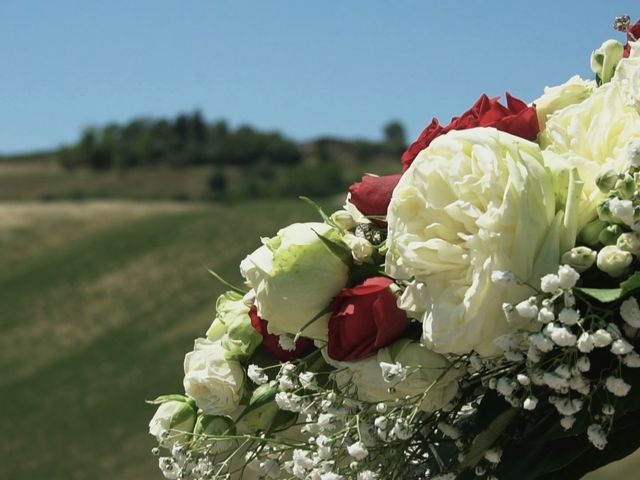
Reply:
x=308, y=68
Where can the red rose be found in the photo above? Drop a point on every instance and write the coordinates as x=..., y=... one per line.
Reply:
x=372, y=194
x=303, y=345
x=364, y=319
x=516, y=118
x=633, y=34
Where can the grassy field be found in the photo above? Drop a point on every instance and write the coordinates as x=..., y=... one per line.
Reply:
x=99, y=303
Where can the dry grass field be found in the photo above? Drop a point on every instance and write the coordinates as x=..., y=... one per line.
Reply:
x=99, y=301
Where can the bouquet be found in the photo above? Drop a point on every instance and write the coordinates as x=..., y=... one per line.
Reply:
x=472, y=317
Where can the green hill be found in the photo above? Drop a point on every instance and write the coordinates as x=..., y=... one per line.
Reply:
x=100, y=302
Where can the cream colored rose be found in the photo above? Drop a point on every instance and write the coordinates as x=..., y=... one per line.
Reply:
x=592, y=137
x=575, y=90
x=295, y=276
x=627, y=77
x=473, y=202
x=215, y=383
x=425, y=372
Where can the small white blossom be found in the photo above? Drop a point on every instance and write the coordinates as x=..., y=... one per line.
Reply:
x=633, y=153
x=381, y=422
x=569, y=299
x=308, y=380
x=632, y=360
x=523, y=379
x=569, y=316
x=530, y=403
x=554, y=381
x=608, y=409
x=546, y=315
x=585, y=343
x=331, y=476
x=561, y=336
x=505, y=386
x=402, y=430
x=287, y=343
x=533, y=353
x=617, y=386
x=597, y=436
x=630, y=312
x=567, y=422
x=568, y=277
x=393, y=372
x=367, y=475
x=583, y=364
x=541, y=342
x=257, y=375
x=601, y=338
x=621, y=347
x=613, y=261
x=506, y=342
x=622, y=209
x=527, y=309
x=358, y=450
x=550, y=283
x=503, y=277
x=568, y=407
x=579, y=384
x=493, y=455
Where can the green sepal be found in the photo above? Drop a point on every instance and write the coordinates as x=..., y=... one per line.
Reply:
x=338, y=248
x=170, y=398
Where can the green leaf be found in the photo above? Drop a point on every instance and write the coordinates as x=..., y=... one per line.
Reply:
x=622, y=441
x=227, y=284
x=608, y=295
x=318, y=209
x=487, y=438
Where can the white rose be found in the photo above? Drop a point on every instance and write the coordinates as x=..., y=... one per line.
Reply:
x=171, y=417
x=575, y=90
x=473, y=202
x=627, y=78
x=422, y=370
x=215, y=383
x=590, y=137
x=295, y=276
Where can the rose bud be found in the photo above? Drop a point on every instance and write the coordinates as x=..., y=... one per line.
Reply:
x=371, y=195
x=174, y=415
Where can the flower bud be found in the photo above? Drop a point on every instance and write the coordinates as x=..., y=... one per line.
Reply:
x=606, y=180
x=629, y=242
x=580, y=258
x=626, y=186
x=605, y=59
x=613, y=261
x=609, y=235
x=604, y=211
x=343, y=220
x=361, y=249
x=173, y=417
x=590, y=232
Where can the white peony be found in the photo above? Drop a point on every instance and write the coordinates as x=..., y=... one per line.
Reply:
x=627, y=78
x=171, y=417
x=215, y=383
x=575, y=90
x=473, y=202
x=592, y=137
x=295, y=276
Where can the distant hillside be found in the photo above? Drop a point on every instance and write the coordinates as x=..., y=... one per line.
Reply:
x=187, y=158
